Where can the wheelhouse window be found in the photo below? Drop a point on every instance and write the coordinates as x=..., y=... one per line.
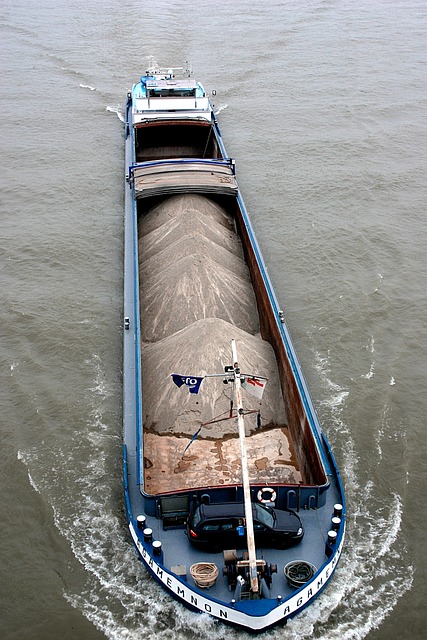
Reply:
x=172, y=93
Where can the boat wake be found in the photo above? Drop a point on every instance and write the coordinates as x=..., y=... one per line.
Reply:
x=118, y=111
x=222, y=107
x=372, y=574
x=81, y=478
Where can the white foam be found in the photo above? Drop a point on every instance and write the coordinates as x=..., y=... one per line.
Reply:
x=380, y=280
x=118, y=111
x=88, y=86
x=222, y=107
x=22, y=457
x=392, y=526
x=368, y=376
x=339, y=398
x=372, y=575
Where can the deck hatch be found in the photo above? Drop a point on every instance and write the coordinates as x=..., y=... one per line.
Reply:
x=177, y=177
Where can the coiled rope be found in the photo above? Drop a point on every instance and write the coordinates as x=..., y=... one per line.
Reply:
x=299, y=572
x=204, y=574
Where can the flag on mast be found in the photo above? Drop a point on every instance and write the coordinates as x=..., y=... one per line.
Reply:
x=192, y=382
x=255, y=386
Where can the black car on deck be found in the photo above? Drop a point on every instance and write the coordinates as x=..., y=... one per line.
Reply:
x=223, y=526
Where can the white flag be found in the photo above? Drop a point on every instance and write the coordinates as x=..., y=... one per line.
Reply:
x=255, y=386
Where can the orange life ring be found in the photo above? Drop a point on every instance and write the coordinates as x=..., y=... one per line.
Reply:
x=261, y=495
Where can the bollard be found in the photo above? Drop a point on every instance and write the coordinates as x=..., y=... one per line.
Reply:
x=157, y=548
x=332, y=536
x=338, y=510
x=148, y=534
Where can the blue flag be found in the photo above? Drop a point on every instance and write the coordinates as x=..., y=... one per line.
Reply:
x=192, y=382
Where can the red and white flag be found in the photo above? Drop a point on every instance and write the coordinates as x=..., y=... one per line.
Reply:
x=255, y=386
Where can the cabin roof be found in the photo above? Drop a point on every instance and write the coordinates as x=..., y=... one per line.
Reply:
x=184, y=83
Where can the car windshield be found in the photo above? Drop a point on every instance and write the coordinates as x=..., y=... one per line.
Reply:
x=264, y=515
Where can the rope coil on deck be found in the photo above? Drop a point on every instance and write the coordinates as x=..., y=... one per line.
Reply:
x=204, y=574
x=299, y=572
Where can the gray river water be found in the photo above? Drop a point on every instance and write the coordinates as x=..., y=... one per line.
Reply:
x=323, y=105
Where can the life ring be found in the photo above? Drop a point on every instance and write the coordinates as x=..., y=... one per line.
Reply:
x=262, y=497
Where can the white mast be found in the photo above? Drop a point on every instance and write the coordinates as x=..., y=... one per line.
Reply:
x=245, y=475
